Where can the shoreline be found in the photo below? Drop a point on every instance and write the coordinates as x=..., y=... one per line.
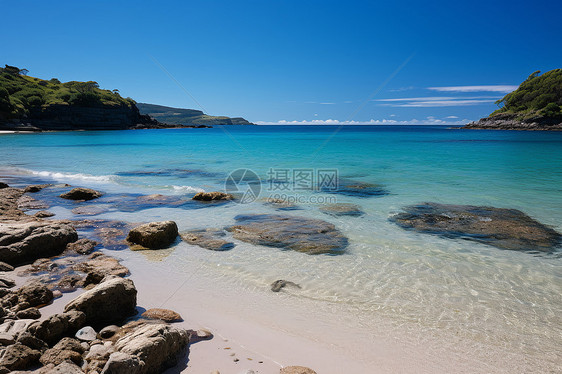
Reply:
x=281, y=329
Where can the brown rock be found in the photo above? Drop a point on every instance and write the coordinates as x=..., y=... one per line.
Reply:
x=44, y=214
x=81, y=194
x=29, y=313
x=57, y=326
x=67, y=349
x=154, y=235
x=165, y=315
x=109, y=302
x=82, y=246
x=35, y=294
x=19, y=357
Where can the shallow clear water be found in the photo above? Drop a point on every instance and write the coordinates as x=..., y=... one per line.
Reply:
x=505, y=298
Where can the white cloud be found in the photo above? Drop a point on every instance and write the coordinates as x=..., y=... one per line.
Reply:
x=436, y=101
x=426, y=121
x=452, y=117
x=489, y=88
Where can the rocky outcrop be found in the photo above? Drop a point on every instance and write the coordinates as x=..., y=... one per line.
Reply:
x=67, y=349
x=35, y=294
x=23, y=242
x=499, y=227
x=509, y=121
x=312, y=236
x=211, y=239
x=149, y=348
x=212, y=196
x=82, y=246
x=154, y=235
x=74, y=117
x=109, y=302
x=81, y=193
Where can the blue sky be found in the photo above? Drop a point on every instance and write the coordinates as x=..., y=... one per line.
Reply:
x=274, y=61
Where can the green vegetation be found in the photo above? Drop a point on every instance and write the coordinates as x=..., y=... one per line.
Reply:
x=538, y=96
x=20, y=94
x=179, y=116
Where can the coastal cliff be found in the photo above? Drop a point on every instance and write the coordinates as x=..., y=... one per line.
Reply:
x=535, y=105
x=34, y=104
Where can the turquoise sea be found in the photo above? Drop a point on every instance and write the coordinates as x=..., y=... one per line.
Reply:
x=504, y=298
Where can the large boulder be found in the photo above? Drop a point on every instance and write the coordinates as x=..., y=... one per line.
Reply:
x=312, y=236
x=57, y=326
x=154, y=235
x=25, y=242
x=109, y=302
x=81, y=193
x=499, y=227
x=148, y=348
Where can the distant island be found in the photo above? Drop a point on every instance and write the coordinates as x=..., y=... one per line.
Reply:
x=33, y=104
x=179, y=116
x=535, y=105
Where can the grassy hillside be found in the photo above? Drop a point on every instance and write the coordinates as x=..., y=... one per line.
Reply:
x=21, y=94
x=179, y=116
x=538, y=95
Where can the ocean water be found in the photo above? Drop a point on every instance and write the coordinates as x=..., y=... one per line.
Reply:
x=503, y=298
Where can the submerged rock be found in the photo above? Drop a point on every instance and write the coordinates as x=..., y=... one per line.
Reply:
x=44, y=214
x=35, y=188
x=109, y=302
x=81, y=193
x=301, y=234
x=213, y=196
x=208, y=239
x=499, y=227
x=279, y=284
x=342, y=209
x=25, y=242
x=353, y=188
x=154, y=235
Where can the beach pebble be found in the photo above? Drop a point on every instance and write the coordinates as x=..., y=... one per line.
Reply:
x=86, y=333
x=108, y=331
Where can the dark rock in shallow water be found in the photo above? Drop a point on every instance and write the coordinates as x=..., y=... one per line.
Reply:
x=279, y=284
x=342, y=209
x=81, y=194
x=82, y=246
x=353, y=188
x=154, y=235
x=213, y=196
x=301, y=234
x=35, y=188
x=208, y=239
x=502, y=228
x=3, y=185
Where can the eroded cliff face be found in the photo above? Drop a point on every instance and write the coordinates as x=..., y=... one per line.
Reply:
x=507, y=121
x=72, y=117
